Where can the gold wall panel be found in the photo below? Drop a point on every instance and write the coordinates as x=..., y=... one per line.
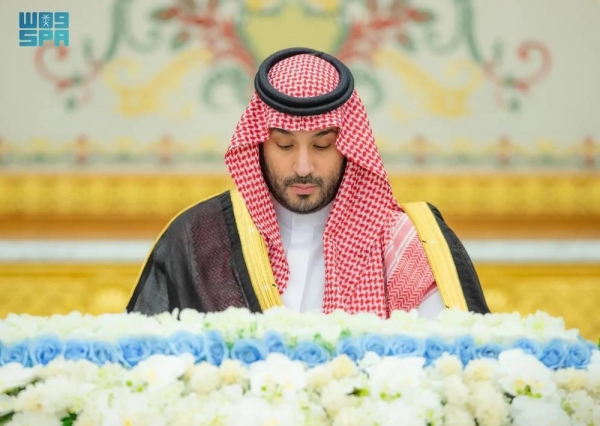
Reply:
x=569, y=291
x=138, y=206
x=130, y=195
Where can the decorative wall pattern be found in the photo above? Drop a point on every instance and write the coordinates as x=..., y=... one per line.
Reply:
x=452, y=84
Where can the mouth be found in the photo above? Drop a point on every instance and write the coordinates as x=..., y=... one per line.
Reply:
x=303, y=189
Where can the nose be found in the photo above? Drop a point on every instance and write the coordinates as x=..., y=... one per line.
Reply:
x=303, y=164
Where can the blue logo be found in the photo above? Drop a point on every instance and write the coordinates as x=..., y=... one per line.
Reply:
x=36, y=28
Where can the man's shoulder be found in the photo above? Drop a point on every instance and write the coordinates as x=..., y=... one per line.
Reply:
x=201, y=213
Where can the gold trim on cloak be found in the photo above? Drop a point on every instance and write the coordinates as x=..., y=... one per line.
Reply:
x=438, y=253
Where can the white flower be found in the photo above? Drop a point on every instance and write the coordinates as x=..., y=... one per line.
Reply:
x=365, y=414
x=14, y=375
x=204, y=378
x=457, y=415
x=400, y=413
x=337, y=395
x=570, y=379
x=488, y=405
x=120, y=406
x=456, y=392
x=394, y=376
x=162, y=370
x=448, y=365
x=319, y=376
x=343, y=367
x=81, y=371
x=35, y=419
x=524, y=374
x=535, y=411
x=233, y=372
x=546, y=327
x=55, y=395
x=277, y=375
x=481, y=370
x=253, y=411
x=581, y=405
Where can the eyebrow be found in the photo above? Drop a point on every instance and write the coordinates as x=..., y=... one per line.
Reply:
x=321, y=133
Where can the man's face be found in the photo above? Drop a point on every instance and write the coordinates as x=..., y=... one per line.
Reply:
x=303, y=170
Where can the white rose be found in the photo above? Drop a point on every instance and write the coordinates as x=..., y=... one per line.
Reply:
x=14, y=375
x=524, y=374
x=535, y=411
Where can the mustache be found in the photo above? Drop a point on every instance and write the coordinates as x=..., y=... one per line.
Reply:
x=303, y=180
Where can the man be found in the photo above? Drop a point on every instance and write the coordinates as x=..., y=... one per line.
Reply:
x=312, y=224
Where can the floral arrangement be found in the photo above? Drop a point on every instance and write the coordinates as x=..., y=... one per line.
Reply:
x=234, y=367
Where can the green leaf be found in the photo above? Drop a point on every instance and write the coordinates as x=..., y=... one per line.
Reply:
x=68, y=420
x=6, y=418
x=14, y=391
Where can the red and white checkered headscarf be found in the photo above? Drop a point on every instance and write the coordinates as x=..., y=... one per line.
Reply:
x=364, y=211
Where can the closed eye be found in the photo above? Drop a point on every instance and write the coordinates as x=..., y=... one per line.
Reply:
x=285, y=147
x=322, y=148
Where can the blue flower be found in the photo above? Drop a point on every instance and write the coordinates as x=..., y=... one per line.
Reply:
x=311, y=353
x=158, y=345
x=2, y=349
x=464, y=349
x=554, y=354
x=215, y=347
x=578, y=356
x=102, y=352
x=434, y=348
x=18, y=352
x=528, y=346
x=76, y=349
x=248, y=351
x=44, y=349
x=275, y=342
x=134, y=350
x=375, y=343
x=406, y=346
x=488, y=350
x=351, y=347
x=186, y=342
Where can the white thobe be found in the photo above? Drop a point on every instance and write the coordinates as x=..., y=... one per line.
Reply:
x=302, y=237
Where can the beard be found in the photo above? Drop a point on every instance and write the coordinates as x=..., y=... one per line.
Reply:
x=302, y=203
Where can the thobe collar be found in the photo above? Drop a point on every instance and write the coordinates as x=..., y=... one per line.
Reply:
x=292, y=220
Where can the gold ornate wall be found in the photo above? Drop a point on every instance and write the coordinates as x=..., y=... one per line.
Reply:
x=569, y=291
x=476, y=206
